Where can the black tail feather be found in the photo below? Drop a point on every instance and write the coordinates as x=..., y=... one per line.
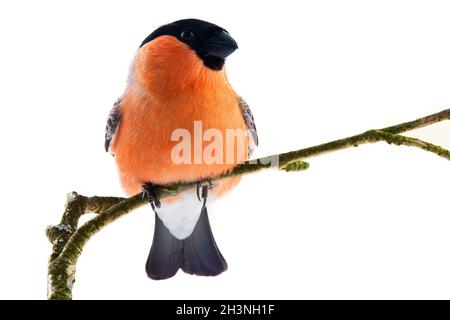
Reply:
x=198, y=254
x=166, y=253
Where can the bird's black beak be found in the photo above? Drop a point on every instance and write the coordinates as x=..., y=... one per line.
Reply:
x=220, y=45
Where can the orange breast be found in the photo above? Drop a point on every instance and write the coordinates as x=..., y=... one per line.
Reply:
x=143, y=146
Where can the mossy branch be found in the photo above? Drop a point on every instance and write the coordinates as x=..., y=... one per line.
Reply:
x=68, y=239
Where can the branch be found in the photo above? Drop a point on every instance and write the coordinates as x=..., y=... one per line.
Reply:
x=68, y=240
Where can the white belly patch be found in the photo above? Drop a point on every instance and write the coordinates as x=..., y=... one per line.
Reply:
x=181, y=216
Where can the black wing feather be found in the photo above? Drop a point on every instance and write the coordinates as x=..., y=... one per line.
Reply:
x=112, y=123
x=250, y=123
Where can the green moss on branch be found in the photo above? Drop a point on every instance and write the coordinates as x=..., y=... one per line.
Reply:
x=68, y=239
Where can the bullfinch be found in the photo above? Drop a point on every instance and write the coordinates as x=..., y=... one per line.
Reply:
x=177, y=107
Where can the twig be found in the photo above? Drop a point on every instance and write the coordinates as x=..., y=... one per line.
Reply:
x=68, y=240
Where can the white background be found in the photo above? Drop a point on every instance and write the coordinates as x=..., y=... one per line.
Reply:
x=369, y=222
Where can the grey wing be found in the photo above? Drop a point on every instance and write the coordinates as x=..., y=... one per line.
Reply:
x=111, y=124
x=250, y=123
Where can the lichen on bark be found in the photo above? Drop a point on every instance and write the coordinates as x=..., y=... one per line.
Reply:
x=68, y=239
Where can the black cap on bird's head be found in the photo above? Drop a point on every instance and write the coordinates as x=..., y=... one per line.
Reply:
x=210, y=42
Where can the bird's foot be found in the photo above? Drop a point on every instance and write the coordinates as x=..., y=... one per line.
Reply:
x=149, y=192
x=203, y=190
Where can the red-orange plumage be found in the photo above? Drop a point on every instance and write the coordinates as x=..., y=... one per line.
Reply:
x=170, y=88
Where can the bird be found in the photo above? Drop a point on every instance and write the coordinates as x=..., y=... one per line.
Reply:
x=178, y=80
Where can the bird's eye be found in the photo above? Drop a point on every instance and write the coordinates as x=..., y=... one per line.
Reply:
x=187, y=35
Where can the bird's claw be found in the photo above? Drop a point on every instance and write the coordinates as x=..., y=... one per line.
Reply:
x=149, y=192
x=203, y=190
